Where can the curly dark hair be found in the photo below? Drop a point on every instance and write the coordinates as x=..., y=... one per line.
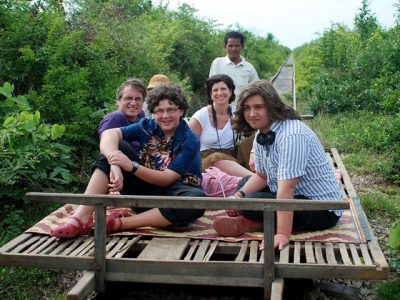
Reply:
x=277, y=109
x=134, y=83
x=220, y=78
x=170, y=92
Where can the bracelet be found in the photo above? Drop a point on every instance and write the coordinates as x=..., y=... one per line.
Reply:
x=242, y=193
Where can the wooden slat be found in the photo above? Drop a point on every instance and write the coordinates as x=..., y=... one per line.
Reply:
x=36, y=245
x=365, y=254
x=226, y=273
x=354, y=254
x=201, y=252
x=297, y=252
x=22, y=238
x=318, y=254
x=191, y=250
x=27, y=243
x=344, y=254
x=62, y=245
x=164, y=249
x=45, y=246
x=330, y=254
x=127, y=246
x=83, y=288
x=377, y=255
x=242, y=252
x=345, y=175
x=277, y=289
x=329, y=156
x=83, y=248
x=252, y=204
x=326, y=271
x=284, y=255
x=253, y=251
x=75, y=243
x=269, y=251
x=210, y=251
x=309, y=253
x=121, y=243
x=50, y=247
x=111, y=241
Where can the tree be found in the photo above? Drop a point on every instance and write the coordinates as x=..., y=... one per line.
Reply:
x=365, y=21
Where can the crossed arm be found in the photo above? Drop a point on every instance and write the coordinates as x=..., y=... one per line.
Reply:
x=118, y=160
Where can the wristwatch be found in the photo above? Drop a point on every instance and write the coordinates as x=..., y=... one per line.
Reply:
x=135, y=166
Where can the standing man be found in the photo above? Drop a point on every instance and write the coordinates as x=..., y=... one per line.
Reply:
x=234, y=65
x=290, y=164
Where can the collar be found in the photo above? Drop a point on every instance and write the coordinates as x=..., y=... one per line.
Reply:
x=180, y=131
x=228, y=61
x=275, y=126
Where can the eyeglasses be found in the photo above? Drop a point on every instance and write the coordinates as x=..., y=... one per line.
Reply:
x=130, y=99
x=169, y=111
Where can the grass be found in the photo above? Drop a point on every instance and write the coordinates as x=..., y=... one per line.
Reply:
x=380, y=200
x=26, y=283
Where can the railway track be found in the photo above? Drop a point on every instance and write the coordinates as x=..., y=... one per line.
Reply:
x=284, y=82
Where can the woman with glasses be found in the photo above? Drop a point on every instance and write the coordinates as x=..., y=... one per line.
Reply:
x=129, y=100
x=169, y=163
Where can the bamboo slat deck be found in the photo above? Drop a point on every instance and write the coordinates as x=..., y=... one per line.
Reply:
x=194, y=261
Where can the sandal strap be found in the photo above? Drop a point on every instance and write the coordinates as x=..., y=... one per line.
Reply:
x=111, y=222
x=79, y=221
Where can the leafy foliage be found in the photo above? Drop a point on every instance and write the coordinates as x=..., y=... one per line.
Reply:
x=70, y=62
x=31, y=157
x=357, y=70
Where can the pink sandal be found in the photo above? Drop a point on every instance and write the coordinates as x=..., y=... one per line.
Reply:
x=68, y=230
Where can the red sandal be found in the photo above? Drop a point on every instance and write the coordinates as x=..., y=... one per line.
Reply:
x=68, y=230
x=110, y=223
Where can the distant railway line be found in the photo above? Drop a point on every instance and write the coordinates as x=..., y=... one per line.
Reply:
x=284, y=82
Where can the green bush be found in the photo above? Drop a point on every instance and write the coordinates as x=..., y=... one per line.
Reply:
x=31, y=158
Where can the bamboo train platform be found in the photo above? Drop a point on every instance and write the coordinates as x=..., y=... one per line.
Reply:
x=194, y=261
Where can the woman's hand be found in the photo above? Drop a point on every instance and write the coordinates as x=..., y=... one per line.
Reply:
x=116, y=180
x=120, y=159
x=280, y=241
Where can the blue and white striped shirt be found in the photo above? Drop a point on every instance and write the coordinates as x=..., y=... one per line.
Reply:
x=298, y=153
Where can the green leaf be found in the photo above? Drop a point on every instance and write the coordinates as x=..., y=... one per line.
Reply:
x=394, y=236
x=6, y=90
x=10, y=120
x=22, y=103
x=57, y=131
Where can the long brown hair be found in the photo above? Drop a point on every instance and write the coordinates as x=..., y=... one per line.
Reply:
x=277, y=109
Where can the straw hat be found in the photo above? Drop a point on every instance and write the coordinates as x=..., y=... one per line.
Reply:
x=157, y=80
